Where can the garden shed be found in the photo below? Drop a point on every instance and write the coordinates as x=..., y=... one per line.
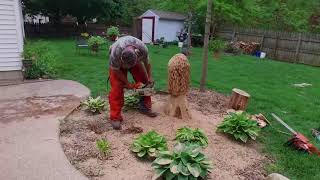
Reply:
x=11, y=40
x=156, y=24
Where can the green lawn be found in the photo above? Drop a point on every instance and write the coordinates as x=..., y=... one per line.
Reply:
x=268, y=82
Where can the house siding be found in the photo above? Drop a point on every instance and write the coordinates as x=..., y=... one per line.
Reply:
x=11, y=35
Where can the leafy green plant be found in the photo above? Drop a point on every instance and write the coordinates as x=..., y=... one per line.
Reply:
x=131, y=102
x=185, y=162
x=216, y=45
x=94, y=105
x=113, y=31
x=103, y=146
x=192, y=136
x=149, y=144
x=240, y=126
x=43, y=60
x=96, y=41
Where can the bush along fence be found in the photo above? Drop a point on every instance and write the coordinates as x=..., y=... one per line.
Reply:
x=34, y=30
x=300, y=48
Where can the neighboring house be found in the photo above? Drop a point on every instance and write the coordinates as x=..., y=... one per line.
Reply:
x=157, y=24
x=11, y=40
x=36, y=19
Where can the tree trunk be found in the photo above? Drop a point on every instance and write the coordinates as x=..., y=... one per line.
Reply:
x=205, y=47
x=178, y=106
x=239, y=100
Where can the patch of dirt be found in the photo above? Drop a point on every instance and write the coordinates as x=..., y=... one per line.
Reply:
x=132, y=130
x=208, y=102
x=232, y=159
x=36, y=106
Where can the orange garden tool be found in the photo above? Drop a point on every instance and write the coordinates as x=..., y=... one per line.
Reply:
x=298, y=141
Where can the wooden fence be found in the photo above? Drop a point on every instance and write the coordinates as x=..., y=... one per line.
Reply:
x=67, y=30
x=283, y=46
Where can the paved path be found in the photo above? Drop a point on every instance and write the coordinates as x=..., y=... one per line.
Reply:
x=29, y=130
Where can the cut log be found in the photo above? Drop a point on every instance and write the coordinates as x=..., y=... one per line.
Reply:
x=239, y=99
x=178, y=106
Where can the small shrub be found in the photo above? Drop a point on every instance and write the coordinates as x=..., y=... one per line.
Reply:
x=185, y=162
x=113, y=31
x=240, y=126
x=94, y=105
x=192, y=136
x=216, y=45
x=103, y=146
x=96, y=41
x=43, y=60
x=149, y=144
x=131, y=102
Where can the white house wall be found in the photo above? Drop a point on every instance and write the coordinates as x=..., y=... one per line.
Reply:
x=11, y=35
x=168, y=29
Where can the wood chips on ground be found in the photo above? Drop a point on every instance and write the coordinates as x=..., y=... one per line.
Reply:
x=232, y=159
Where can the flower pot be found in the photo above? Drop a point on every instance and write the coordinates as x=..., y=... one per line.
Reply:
x=95, y=48
x=216, y=55
x=27, y=63
x=113, y=37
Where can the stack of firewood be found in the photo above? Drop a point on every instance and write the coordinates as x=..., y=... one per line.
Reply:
x=249, y=47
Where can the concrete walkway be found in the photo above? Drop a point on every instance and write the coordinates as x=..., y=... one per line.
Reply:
x=29, y=129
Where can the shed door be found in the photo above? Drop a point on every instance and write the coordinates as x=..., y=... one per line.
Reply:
x=148, y=29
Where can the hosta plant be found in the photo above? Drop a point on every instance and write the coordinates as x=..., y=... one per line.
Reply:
x=240, y=126
x=149, y=144
x=131, y=102
x=185, y=162
x=192, y=136
x=94, y=105
x=103, y=146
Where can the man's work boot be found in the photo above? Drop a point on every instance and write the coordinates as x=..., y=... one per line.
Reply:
x=145, y=110
x=116, y=125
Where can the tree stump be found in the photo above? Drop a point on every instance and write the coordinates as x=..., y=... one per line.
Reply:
x=239, y=100
x=178, y=106
x=178, y=87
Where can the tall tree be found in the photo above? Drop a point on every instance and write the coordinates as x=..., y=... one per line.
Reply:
x=205, y=47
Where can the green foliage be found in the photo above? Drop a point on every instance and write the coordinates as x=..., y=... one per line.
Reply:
x=240, y=126
x=185, y=162
x=131, y=101
x=83, y=10
x=103, y=146
x=192, y=136
x=96, y=41
x=94, y=105
x=216, y=45
x=113, y=31
x=43, y=60
x=149, y=144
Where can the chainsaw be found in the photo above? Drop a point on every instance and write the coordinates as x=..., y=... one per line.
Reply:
x=298, y=141
x=146, y=90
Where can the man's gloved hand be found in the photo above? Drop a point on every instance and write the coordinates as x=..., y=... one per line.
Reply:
x=137, y=85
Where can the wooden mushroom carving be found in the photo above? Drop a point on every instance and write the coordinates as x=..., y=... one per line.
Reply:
x=178, y=87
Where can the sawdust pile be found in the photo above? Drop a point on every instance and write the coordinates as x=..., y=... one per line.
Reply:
x=232, y=160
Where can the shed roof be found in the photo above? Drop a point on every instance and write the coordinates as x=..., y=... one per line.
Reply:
x=169, y=15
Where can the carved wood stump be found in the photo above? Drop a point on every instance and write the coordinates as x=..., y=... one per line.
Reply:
x=178, y=106
x=178, y=87
x=239, y=100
